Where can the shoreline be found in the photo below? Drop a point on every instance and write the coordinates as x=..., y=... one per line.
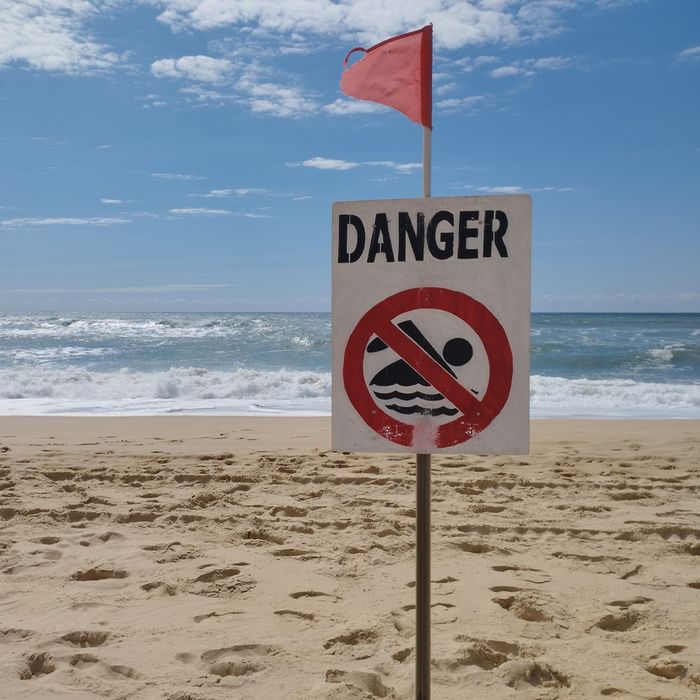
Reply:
x=289, y=428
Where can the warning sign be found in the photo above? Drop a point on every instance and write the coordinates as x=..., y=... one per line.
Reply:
x=431, y=325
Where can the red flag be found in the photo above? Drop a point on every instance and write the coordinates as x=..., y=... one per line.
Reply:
x=397, y=72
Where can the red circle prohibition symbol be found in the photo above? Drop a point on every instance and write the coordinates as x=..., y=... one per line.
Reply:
x=477, y=414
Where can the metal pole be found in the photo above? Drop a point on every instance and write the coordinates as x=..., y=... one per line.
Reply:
x=422, y=577
x=423, y=519
x=427, y=158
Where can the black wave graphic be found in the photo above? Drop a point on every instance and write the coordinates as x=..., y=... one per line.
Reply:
x=408, y=410
x=408, y=397
x=398, y=372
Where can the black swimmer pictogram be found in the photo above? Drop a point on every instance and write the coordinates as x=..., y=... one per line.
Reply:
x=398, y=381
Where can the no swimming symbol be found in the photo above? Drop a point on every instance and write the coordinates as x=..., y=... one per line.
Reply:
x=419, y=398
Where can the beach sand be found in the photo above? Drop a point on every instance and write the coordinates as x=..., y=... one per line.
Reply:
x=206, y=558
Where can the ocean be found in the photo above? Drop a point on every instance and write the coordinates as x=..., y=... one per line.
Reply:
x=602, y=365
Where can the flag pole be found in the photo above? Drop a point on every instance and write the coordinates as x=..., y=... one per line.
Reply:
x=427, y=160
x=423, y=518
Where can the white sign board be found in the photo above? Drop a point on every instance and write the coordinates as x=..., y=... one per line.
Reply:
x=431, y=325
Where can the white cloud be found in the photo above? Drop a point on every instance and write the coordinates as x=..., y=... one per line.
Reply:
x=277, y=100
x=506, y=72
x=176, y=176
x=457, y=23
x=531, y=66
x=393, y=165
x=445, y=89
x=53, y=35
x=151, y=100
x=198, y=211
x=329, y=164
x=335, y=164
x=104, y=200
x=244, y=191
x=264, y=91
x=691, y=54
x=460, y=103
x=204, y=69
x=215, y=194
x=235, y=192
x=502, y=189
x=549, y=63
x=485, y=60
x=202, y=94
x=299, y=24
x=343, y=107
x=517, y=189
x=63, y=221
x=145, y=214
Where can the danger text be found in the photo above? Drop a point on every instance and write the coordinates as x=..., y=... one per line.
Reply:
x=476, y=234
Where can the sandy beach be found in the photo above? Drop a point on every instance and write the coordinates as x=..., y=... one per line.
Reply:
x=205, y=558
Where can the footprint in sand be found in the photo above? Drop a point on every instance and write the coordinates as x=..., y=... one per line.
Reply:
x=34, y=665
x=531, y=606
x=439, y=586
x=86, y=638
x=222, y=581
x=624, y=604
x=207, y=616
x=673, y=664
x=478, y=548
x=99, y=574
x=692, y=549
x=289, y=511
x=218, y=574
x=485, y=654
x=359, y=643
x=238, y=660
x=523, y=674
x=524, y=572
x=296, y=614
x=366, y=681
x=47, y=540
x=171, y=552
x=302, y=554
x=93, y=665
x=160, y=587
x=313, y=594
x=258, y=537
x=440, y=613
x=402, y=655
x=505, y=589
x=619, y=622
x=14, y=635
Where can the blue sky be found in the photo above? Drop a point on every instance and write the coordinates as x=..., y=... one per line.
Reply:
x=184, y=154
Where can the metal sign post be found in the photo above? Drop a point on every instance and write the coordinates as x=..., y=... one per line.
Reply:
x=423, y=516
x=422, y=577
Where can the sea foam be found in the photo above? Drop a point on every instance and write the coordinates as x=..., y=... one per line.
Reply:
x=78, y=391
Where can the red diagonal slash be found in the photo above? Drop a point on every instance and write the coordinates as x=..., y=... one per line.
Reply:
x=428, y=368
